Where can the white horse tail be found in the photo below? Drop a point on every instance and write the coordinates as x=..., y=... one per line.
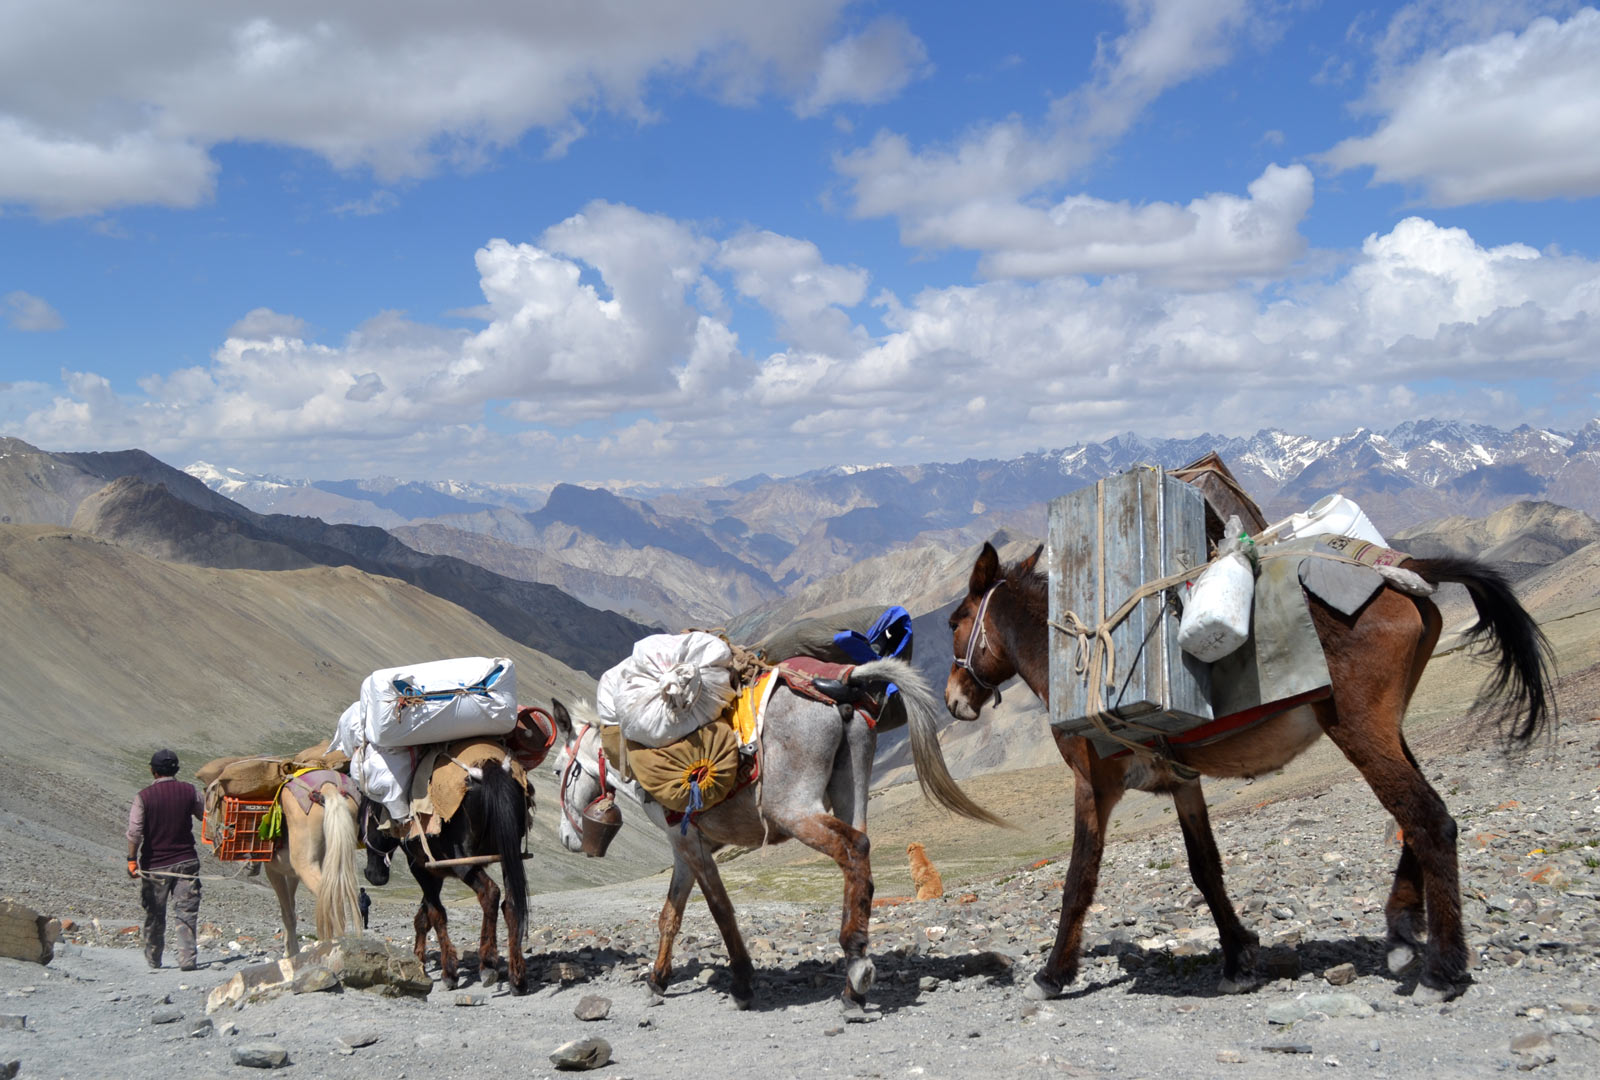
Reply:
x=922, y=710
x=337, y=903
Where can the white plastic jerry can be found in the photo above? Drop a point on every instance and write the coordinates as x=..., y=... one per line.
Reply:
x=1216, y=615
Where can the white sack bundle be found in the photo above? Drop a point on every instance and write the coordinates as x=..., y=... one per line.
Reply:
x=440, y=701
x=384, y=775
x=672, y=685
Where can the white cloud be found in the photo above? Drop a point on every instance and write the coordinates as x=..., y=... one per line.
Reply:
x=24, y=311
x=380, y=201
x=1511, y=117
x=606, y=355
x=867, y=68
x=978, y=193
x=264, y=324
x=1210, y=241
x=108, y=105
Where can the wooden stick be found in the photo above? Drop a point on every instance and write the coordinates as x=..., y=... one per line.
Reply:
x=470, y=860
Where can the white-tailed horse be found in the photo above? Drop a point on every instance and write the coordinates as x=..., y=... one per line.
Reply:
x=318, y=849
x=815, y=765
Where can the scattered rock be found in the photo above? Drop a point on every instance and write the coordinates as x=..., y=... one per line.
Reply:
x=13, y=1022
x=1287, y=1048
x=471, y=1000
x=704, y=976
x=260, y=1055
x=1337, y=1004
x=1340, y=974
x=10, y=1069
x=563, y=971
x=356, y=1040
x=367, y=963
x=1230, y=1057
x=592, y=1007
x=927, y=984
x=581, y=1054
x=166, y=1016
x=314, y=979
x=27, y=935
x=202, y=1029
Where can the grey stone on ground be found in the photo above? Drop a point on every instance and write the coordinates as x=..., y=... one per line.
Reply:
x=314, y=979
x=471, y=1000
x=10, y=1069
x=203, y=1029
x=1340, y=974
x=260, y=1055
x=592, y=1007
x=166, y=1016
x=355, y=1040
x=581, y=1054
x=13, y=1022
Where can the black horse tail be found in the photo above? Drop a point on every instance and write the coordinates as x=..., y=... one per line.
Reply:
x=506, y=817
x=1519, y=688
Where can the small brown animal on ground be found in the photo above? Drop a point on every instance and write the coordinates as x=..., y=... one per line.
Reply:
x=924, y=875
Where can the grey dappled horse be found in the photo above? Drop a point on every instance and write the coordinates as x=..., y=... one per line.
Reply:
x=815, y=768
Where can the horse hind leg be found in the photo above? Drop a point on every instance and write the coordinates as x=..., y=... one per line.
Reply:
x=851, y=849
x=1239, y=945
x=716, y=894
x=1430, y=838
x=488, y=947
x=431, y=916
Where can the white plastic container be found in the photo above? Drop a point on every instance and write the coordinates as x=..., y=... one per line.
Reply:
x=1332, y=515
x=1216, y=615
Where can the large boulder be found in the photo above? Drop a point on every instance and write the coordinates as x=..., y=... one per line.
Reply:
x=27, y=935
x=367, y=963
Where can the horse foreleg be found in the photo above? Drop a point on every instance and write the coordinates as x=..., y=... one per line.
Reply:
x=1094, y=797
x=488, y=947
x=516, y=963
x=851, y=849
x=716, y=894
x=1205, y=867
x=671, y=919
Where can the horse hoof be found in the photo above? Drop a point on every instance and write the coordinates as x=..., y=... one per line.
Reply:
x=855, y=1012
x=742, y=1003
x=654, y=997
x=1038, y=990
x=862, y=975
x=1400, y=958
x=1232, y=986
x=1429, y=995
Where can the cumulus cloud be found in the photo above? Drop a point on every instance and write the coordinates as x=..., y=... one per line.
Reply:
x=1510, y=117
x=608, y=353
x=24, y=311
x=867, y=68
x=981, y=192
x=120, y=104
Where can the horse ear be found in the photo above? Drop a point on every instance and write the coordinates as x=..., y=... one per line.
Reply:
x=985, y=570
x=1026, y=566
x=563, y=719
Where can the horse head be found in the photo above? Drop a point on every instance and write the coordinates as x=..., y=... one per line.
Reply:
x=589, y=815
x=380, y=845
x=982, y=657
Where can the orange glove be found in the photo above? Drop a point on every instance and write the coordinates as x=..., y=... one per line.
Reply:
x=133, y=868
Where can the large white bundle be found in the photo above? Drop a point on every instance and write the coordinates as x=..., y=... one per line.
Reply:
x=384, y=775
x=439, y=701
x=672, y=685
x=351, y=732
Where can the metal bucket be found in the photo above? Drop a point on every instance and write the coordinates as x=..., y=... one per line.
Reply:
x=601, y=821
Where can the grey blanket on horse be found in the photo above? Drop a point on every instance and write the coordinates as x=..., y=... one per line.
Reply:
x=1282, y=658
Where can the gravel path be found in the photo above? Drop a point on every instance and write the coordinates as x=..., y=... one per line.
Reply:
x=1310, y=875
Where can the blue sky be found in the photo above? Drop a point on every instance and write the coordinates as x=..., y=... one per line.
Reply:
x=659, y=240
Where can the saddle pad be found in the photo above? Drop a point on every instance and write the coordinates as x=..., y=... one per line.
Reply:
x=439, y=784
x=304, y=782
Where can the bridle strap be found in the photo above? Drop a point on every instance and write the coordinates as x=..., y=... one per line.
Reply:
x=979, y=639
x=575, y=818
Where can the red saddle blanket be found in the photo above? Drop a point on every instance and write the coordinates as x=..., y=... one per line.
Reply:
x=800, y=673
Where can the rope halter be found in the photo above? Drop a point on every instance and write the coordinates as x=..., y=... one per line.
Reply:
x=978, y=641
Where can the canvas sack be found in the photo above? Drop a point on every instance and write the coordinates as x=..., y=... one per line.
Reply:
x=435, y=702
x=670, y=686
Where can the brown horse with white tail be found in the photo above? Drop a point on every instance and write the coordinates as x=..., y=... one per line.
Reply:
x=1375, y=659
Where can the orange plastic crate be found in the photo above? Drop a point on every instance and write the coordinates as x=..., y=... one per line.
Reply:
x=235, y=838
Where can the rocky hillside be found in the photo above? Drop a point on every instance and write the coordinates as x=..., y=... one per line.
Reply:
x=111, y=653
x=135, y=499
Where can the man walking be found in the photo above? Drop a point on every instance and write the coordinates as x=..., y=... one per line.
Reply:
x=161, y=851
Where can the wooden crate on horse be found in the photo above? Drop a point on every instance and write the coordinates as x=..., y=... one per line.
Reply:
x=1105, y=541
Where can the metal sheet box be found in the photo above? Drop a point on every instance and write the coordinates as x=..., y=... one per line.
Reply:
x=1104, y=542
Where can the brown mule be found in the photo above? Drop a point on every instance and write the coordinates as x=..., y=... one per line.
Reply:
x=1375, y=659
x=319, y=849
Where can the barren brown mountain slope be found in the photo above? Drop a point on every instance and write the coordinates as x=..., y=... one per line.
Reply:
x=109, y=654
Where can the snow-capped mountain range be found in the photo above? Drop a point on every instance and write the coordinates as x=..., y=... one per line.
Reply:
x=765, y=535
